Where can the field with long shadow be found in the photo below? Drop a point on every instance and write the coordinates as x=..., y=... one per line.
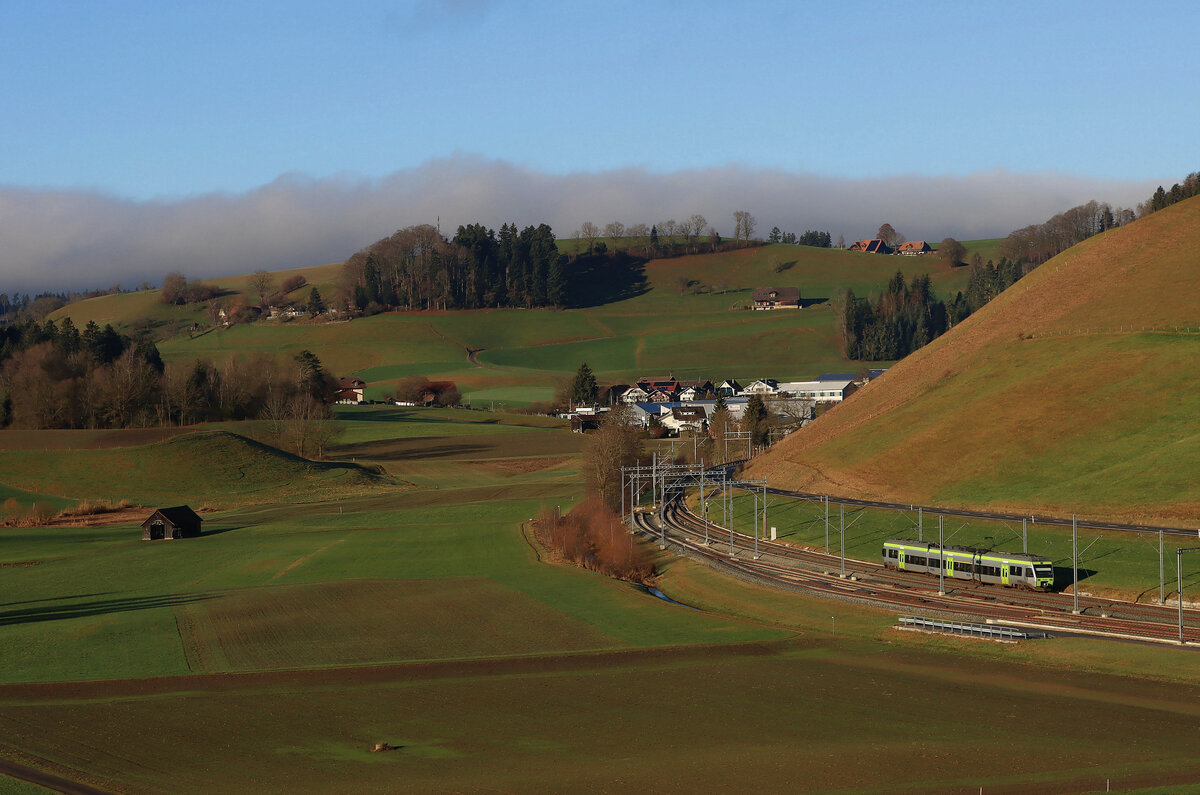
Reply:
x=304, y=627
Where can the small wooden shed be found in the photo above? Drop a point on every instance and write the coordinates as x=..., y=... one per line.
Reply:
x=178, y=522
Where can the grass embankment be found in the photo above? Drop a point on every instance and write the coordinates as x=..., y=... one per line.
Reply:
x=212, y=468
x=1052, y=399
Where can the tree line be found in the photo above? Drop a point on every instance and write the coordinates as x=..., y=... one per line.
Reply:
x=1036, y=243
x=809, y=238
x=418, y=268
x=52, y=375
x=1165, y=198
x=899, y=320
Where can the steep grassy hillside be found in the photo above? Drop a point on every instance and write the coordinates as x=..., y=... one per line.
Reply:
x=1074, y=391
x=689, y=319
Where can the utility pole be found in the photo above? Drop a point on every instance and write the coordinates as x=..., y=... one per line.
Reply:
x=1179, y=578
x=826, y=524
x=764, y=527
x=622, y=493
x=755, y=525
x=1162, y=595
x=703, y=504
x=1024, y=536
x=1075, y=565
x=942, y=555
x=729, y=524
x=920, y=524
x=842, y=513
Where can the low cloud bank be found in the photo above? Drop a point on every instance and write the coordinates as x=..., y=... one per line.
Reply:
x=65, y=239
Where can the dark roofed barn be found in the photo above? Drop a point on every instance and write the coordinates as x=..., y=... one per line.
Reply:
x=777, y=298
x=178, y=522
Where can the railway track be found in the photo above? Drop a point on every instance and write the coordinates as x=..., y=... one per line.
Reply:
x=796, y=568
x=932, y=510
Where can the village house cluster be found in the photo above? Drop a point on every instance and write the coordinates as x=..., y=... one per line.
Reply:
x=684, y=405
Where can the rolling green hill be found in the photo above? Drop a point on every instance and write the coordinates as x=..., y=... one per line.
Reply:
x=1074, y=391
x=690, y=320
x=214, y=468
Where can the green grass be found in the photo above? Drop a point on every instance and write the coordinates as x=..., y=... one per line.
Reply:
x=418, y=617
x=1111, y=563
x=691, y=332
x=214, y=468
x=1051, y=399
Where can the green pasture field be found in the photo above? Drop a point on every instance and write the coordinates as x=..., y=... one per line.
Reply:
x=302, y=628
x=210, y=467
x=701, y=329
x=987, y=249
x=146, y=305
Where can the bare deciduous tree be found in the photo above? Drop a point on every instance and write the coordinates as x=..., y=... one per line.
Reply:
x=264, y=284
x=617, y=443
x=614, y=230
x=668, y=229
x=743, y=225
x=589, y=232
x=889, y=236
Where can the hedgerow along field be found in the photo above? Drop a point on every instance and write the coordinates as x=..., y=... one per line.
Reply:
x=1072, y=392
x=690, y=319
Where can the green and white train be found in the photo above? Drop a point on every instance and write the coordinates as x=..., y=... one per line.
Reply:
x=1012, y=569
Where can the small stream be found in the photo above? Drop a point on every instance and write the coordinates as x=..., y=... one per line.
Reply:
x=660, y=595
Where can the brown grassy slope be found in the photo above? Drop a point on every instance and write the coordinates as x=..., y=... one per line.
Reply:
x=1045, y=400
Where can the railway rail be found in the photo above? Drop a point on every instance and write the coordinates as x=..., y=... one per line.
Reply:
x=796, y=568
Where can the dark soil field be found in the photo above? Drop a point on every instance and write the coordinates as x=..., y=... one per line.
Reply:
x=789, y=716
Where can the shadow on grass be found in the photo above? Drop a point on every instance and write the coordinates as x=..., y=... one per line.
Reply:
x=408, y=415
x=409, y=449
x=58, y=598
x=216, y=531
x=805, y=303
x=598, y=279
x=1064, y=577
x=101, y=607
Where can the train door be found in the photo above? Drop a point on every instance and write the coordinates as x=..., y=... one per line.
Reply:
x=949, y=566
x=900, y=565
x=1004, y=573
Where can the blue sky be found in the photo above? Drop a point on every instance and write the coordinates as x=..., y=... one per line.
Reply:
x=218, y=138
x=174, y=99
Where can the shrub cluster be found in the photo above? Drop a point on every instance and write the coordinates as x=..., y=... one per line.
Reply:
x=594, y=537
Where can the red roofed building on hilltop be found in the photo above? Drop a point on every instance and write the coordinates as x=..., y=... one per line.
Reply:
x=913, y=248
x=875, y=246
